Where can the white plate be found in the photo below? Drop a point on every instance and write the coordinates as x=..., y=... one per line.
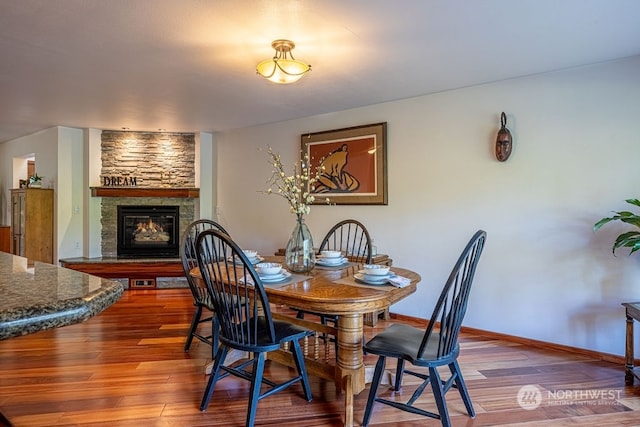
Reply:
x=275, y=278
x=377, y=276
x=331, y=262
x=379, y=280
x=331, y=254
x=253, y=261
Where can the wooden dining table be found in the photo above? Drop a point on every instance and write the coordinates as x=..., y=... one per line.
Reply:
x=335, y=291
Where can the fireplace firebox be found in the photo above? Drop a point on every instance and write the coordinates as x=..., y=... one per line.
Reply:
x=148, y=231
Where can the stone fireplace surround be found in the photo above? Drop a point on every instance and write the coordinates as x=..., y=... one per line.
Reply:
x=163, y=164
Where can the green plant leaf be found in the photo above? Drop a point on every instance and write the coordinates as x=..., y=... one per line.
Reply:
x=633, y=202
x=630, y=239
x=602, y=222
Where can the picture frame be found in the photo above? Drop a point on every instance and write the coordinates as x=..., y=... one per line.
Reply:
x=354, y=163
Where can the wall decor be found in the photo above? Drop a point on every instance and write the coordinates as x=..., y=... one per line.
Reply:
x=503, y=140
x=119, y=181
x=354, y=162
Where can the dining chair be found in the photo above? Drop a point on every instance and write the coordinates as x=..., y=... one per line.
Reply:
x=352, y=238
x=431, y=348
x=201, y=299
x=246, y=323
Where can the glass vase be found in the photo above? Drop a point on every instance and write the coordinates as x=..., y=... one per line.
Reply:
x=299, y=253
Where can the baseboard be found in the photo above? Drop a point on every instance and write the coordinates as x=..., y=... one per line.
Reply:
x=607, y=357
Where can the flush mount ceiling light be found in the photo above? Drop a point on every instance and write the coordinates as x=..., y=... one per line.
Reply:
x=283, y=68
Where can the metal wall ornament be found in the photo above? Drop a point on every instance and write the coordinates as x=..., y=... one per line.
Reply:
x=504, y=141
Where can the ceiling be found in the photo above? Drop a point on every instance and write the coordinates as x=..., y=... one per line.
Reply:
x=189, y=65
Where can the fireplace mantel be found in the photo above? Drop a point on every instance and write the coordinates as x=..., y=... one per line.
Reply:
x=144, y=192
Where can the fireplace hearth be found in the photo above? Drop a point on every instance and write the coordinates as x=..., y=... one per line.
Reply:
x=148, y=231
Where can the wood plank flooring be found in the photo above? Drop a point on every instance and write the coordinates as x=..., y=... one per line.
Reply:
x=126, y=367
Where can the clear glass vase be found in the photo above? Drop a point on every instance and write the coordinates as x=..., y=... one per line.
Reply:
x=299, y=253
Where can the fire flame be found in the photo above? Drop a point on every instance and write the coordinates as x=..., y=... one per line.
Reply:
x=149, y=227
x=150, y=232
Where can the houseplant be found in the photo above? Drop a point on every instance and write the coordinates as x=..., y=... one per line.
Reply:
x=630, y=239
x=296, y=190
x=35, y=181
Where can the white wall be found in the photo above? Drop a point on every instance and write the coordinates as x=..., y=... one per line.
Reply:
x=58, y=157
x=71, y=193
x=544, y=274
x=92, y=210
x=43, y=145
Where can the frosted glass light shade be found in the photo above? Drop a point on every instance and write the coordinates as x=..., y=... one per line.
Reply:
x=283, y=68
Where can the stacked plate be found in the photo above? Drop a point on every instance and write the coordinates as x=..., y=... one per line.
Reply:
x=331, y=258
x=253, y=256
x=255, y=260
x=373, y=279
x=275, y=278
x=252, y=259
x=271, y=272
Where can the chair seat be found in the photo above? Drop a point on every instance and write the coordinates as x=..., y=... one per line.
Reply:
x=403, y=342
x=284, y=332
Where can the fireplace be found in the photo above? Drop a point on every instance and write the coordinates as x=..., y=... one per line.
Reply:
x=148, y=231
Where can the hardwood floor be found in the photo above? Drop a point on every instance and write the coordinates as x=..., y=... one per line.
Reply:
x=126, y=367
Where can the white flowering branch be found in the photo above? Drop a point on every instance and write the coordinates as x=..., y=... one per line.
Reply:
x=295, y=188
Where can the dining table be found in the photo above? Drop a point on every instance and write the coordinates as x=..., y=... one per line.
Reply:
x=333, y=290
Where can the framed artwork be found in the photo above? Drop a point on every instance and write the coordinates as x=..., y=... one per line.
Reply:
x=354, y=162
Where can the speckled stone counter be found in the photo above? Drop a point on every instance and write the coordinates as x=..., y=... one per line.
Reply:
x=37, y=296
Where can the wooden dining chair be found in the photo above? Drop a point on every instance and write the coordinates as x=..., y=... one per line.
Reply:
x=246, y=323
x=201, y=299
x=431, y=348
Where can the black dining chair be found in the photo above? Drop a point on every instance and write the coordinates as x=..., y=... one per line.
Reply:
x=431, y=348
x=201, y=299
x=246, y=323
x=352, y=238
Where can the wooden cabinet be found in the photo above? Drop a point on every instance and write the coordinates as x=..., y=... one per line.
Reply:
x=5, y=238
x=32, y=224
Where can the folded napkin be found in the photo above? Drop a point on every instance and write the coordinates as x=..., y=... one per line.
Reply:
x=399, y=281
x=248, y=280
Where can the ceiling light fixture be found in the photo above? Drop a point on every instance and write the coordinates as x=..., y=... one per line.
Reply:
x=283, y=68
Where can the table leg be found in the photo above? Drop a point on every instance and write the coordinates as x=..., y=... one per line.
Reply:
x=628, y=354
x=350, y=360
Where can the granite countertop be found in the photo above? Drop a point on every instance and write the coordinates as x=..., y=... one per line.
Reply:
x=35, y=296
